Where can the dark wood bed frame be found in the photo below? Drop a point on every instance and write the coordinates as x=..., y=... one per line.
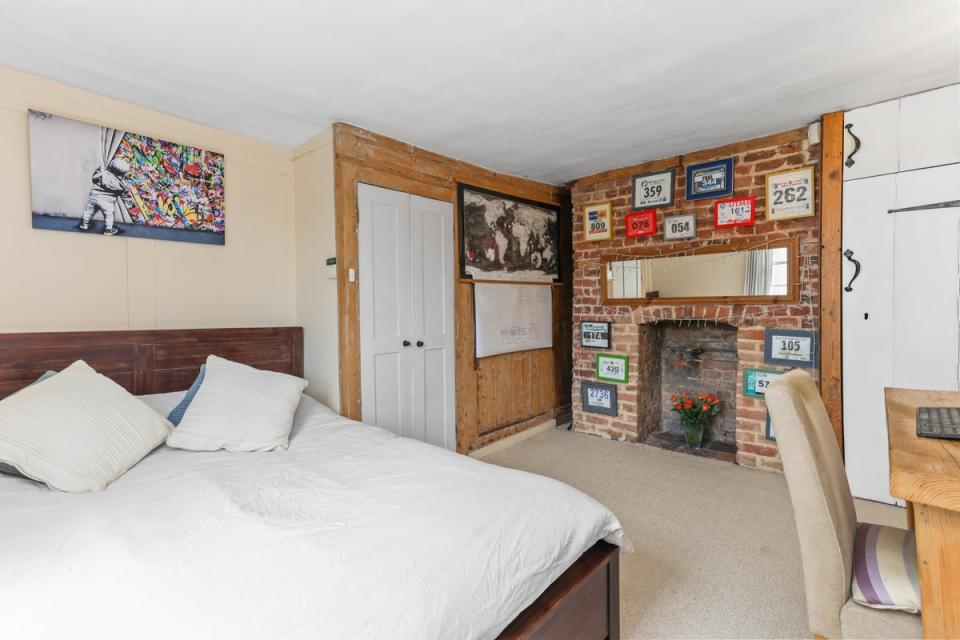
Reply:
x=583, y=603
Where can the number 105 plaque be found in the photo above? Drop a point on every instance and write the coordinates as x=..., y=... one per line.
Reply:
x=790, y=347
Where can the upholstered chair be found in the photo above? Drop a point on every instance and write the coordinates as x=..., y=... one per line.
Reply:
x=824, y=513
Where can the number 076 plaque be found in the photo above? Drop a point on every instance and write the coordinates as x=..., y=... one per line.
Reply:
x=790, y=347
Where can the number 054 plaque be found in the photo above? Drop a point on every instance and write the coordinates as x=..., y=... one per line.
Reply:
x=790, y=347
x=682, y=226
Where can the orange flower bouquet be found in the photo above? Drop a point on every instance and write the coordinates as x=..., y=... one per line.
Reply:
x=695, y=414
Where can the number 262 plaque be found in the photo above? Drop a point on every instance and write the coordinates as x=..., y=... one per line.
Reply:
x=790, y=347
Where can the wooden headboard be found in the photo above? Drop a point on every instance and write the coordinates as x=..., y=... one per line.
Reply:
x=154, y=361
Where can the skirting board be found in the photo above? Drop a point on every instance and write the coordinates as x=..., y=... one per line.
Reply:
x=509, y=441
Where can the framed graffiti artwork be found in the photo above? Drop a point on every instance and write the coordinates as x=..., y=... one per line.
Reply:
x=88, y=178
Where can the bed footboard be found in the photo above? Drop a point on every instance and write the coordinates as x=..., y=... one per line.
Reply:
x=583, y=603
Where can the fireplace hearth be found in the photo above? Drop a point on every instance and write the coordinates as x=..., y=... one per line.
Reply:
x=694, y=359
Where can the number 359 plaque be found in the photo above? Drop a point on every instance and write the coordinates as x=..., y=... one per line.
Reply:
x=652, y=190
x=790, y=347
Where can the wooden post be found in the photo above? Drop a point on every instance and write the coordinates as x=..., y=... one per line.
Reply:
x=831, y=217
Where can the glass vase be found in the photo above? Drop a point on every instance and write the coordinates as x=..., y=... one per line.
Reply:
x=694, y=433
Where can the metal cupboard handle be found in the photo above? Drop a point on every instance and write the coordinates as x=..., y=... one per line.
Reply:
x=419, y=343
x=406, y=343
x=856, y=146
x=848, y=254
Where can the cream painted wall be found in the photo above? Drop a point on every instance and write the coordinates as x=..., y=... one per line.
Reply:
x=55, y=281
x=316, y=290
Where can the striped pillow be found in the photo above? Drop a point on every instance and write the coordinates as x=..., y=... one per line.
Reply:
x=78, y=430
x=239, y=408
x=8, y=469
x=885, y=568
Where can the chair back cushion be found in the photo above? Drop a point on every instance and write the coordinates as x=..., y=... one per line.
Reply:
x=820, y=495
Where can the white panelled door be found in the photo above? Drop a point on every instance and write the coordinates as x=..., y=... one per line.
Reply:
x=867, y=332
x=901, y=325
x=406, y=315
x=871, y=140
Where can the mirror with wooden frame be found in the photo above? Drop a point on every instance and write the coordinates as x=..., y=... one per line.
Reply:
x=747, y=272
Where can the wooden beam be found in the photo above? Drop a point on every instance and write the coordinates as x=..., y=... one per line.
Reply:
x=831, y=218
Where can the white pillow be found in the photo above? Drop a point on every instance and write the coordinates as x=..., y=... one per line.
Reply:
x=77, y=431
x=239, y=408
x=163, y=403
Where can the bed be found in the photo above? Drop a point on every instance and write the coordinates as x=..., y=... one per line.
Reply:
x=351, y=532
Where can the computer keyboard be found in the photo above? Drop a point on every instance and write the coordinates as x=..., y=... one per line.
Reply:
x=938, y=422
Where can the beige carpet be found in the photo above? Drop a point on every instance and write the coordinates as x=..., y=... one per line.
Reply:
x=716, y=553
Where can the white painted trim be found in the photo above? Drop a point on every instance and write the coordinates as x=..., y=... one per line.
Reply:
x=511, y=440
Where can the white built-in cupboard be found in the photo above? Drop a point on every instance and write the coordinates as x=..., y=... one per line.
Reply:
x=406, y=271
x=901, y=274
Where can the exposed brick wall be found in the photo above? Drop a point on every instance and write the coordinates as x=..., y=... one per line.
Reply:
x=753, y=160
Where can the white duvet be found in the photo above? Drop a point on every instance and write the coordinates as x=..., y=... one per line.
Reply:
x=351, y=533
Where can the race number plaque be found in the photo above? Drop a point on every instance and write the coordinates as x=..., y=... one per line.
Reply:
x=652, y=190
x=735, y=212
x=756, y=381
x=680, y=227
x=790, y=194
x=612, y=368
x=597, y=397
x=641, y=223
x=595, y=334
x=712, y=179
x=598, y=221
x=790, y=347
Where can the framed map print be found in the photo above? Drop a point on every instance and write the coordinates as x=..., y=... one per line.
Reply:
x=790, y=194
x=507, y=238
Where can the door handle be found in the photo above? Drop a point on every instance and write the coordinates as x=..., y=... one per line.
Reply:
x=419, y=343
x=856, y=146
x=848, y=254
x=406, y=343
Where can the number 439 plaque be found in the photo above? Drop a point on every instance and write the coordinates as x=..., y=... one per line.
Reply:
x=790, y=347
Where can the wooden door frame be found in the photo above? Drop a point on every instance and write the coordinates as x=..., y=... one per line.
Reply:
x=831, y=226
x=348, y=180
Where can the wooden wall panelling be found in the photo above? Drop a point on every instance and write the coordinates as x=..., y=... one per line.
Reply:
x=496, y=396
x=831, y=217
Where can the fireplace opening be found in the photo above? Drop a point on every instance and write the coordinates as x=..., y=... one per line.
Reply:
x=695, y=359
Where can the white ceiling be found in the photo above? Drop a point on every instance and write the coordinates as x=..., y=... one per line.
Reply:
x=550, y=90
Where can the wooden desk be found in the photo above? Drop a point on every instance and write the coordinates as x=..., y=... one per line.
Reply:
x=926, y=473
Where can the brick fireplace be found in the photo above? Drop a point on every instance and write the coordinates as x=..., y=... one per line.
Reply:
x=692, y=347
